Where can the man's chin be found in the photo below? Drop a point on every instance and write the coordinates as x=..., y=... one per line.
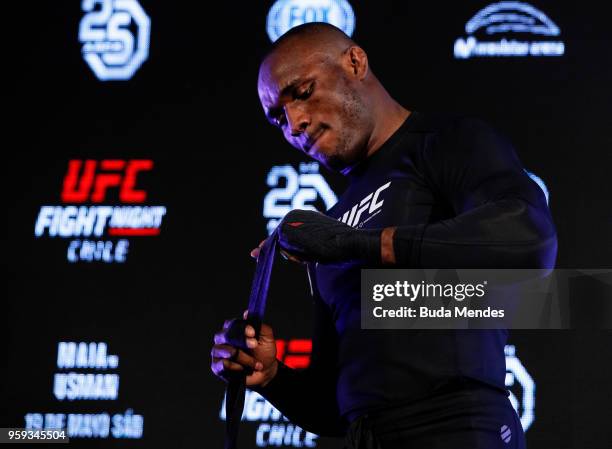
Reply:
x=335, y=163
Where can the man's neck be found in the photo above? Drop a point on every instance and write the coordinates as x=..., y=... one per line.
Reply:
x=394, y=116
x=390, y=117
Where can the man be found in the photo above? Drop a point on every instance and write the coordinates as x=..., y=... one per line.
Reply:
x=425, y=191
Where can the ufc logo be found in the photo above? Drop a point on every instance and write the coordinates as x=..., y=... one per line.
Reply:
x=294, y=353
x=369, y=203
x=90, y=180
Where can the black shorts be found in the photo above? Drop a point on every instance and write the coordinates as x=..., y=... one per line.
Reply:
x=473, y=417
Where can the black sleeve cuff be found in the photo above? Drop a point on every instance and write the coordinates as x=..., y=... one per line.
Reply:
x=277, y=385
x=407, y=245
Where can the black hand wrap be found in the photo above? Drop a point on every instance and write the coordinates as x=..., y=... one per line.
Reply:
x=234, y=396
x=313, y=236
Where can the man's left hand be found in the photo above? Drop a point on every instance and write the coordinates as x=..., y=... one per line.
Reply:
x=314, y=237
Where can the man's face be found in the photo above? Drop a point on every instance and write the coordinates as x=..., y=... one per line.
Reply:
x=317, y=105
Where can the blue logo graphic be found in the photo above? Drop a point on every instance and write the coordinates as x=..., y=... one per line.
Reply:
x=292, y=189
x=110, y=48
x=505, y=434
x=540, y=183
x=521, y=386
x=286, y=14
x=507, y=18
x=512, y=16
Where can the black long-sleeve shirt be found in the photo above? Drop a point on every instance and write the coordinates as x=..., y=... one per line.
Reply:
x=460, y=199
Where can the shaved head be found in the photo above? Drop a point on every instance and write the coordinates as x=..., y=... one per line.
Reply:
x=315, y=84
x=318, y=35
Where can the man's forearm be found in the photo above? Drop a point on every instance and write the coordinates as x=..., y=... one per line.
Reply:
x=509, y=233
x=307, y=398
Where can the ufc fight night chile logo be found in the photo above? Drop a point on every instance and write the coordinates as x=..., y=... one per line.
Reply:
x=89, y=222
x=275, y=430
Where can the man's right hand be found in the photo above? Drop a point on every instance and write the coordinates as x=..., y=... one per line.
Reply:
x=227, y=358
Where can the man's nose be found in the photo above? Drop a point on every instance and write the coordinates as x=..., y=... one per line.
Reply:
x=297, y=119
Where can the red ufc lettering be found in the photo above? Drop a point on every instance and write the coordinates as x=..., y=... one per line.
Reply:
x=106, y=180
x=127, y=194
x=113, y=173
x=294, y=353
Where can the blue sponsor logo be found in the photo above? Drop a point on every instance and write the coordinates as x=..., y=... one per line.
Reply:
x=286, y=14
x=509, y=19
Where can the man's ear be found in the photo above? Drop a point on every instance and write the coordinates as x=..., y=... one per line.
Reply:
x=356, y=61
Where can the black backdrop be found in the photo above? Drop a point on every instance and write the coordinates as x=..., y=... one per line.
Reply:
x=192, y=109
